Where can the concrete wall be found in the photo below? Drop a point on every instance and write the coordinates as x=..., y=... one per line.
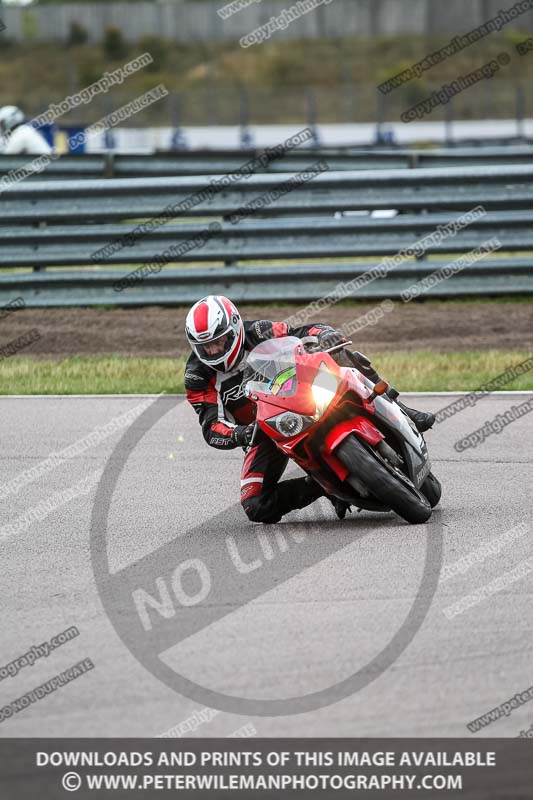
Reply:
x=184, y=21
x=147, y=140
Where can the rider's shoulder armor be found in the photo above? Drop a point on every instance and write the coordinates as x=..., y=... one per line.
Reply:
x=197, y=374
x=260, y=330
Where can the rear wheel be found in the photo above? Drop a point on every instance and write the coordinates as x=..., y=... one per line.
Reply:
x=390, y=486
x=431, y=489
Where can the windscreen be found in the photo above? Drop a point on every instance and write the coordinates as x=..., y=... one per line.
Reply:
x=272, y=365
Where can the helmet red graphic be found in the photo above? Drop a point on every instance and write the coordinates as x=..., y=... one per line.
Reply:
x=215, y=332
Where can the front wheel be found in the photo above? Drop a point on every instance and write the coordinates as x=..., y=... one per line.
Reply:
x=391, y=488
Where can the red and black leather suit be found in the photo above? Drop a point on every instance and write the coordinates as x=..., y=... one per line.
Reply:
x=218, y=399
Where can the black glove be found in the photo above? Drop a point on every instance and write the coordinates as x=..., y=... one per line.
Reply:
x=330, y=338
x=242, y=435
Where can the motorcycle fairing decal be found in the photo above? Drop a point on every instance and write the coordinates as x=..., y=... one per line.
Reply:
x=284, y=383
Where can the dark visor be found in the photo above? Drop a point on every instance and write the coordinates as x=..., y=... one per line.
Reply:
x=216, y=349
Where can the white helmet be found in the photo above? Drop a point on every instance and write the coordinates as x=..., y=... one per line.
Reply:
x=215, y=332
x=10, y=117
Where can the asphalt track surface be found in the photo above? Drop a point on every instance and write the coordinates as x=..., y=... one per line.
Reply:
x=302, y=632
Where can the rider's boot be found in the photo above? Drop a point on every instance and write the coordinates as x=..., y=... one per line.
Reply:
x=340, y=506
x=424, y=420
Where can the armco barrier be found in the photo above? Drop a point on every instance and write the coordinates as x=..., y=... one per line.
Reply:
x=62, y=224
x=213, y=162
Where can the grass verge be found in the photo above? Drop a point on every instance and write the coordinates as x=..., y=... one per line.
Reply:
x=421, y=371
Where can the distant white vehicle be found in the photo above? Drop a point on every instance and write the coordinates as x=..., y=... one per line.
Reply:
x=18, y=136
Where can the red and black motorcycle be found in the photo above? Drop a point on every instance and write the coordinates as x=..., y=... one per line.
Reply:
x=341, y=429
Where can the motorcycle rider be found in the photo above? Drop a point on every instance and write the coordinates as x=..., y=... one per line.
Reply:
x=18, y=135
x=215, y=381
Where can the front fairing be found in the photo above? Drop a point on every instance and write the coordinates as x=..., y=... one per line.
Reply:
x=392, y=415
x=283, y=375
x=282, y=380
x=414, y=447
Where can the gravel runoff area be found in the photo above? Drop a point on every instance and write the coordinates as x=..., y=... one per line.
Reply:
x=155, y=331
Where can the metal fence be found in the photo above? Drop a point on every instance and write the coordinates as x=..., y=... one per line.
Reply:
x=72, y=242
x=218, y=162
x=348, y=101
x=183, y=21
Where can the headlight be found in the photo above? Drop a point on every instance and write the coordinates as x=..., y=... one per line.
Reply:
x=290, y=424
x=324, y=389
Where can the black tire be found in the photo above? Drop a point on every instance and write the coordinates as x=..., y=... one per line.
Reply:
x=399, y=495
x=432, y=489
